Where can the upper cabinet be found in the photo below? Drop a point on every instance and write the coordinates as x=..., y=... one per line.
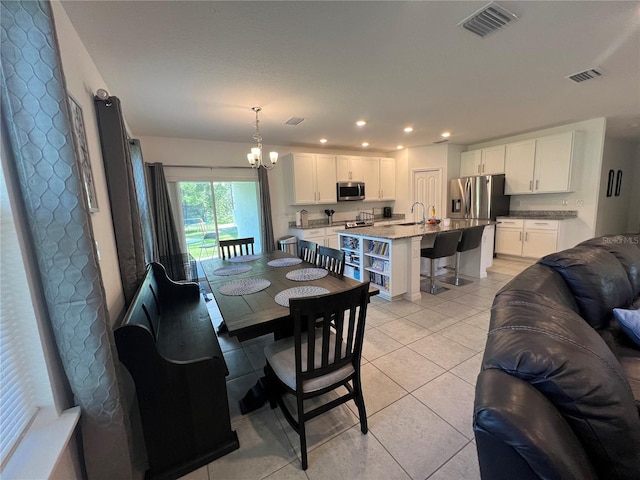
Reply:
x=379, y=175
x=349, y=168
x=486, y=161
x=312, y=178
x=540, y=165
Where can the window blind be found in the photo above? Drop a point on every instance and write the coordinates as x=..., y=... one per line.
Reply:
x=16, y=387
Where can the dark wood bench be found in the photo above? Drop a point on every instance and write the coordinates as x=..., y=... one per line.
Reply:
x=169, y=346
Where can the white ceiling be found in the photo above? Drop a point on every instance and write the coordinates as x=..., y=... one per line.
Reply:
x=195, y=69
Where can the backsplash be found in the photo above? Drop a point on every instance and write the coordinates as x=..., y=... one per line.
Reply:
x=546, y=214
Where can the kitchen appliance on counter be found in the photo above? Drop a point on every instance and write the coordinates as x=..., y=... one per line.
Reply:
x=363, y=219
x=349, y=191
x=387, y=212
x=480, y=197
x=302, y=218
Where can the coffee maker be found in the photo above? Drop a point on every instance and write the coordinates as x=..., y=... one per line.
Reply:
x=387, y=212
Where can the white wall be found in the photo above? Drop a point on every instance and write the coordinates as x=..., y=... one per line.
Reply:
x=586, y=179
x=614, y=213
x=83, y=80
x=204, y=153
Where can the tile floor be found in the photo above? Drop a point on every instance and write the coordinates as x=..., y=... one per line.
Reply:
x=419, y=368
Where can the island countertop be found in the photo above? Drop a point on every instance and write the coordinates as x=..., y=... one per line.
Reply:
x=395, y=232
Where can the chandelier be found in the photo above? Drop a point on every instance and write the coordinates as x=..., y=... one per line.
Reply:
x=255, y=157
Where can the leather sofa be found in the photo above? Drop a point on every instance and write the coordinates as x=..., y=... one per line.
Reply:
x=558, y=394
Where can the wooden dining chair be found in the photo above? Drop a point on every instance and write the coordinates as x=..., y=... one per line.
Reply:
x=323, y=355
x=331, y=259
x=236, y=247
x=307, y=251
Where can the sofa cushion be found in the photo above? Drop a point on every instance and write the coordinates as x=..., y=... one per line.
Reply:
x=626, y=248
x=553, y=349
x=596, y=279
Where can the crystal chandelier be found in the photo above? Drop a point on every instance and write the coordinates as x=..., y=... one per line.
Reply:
x=255, y=157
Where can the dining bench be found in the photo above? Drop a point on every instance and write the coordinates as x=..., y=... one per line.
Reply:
x=168, y=344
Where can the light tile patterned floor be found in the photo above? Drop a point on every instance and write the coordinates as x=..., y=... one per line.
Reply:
x=419, y=370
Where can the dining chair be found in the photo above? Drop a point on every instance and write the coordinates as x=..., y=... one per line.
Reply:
x=208, y=242
x=236, y=247
x=331, y=259
x=307, y=251
x=323, y=355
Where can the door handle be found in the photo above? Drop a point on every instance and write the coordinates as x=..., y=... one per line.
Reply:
x=520, y=236
x=531, y=185
x=483, y=168
x=526, y=237
x=478, y=168
x=537, y=182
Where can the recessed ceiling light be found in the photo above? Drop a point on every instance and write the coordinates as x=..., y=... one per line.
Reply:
x=445, y=134
x=361, y=123
x=399, y=147
x=408, y=129
x=323, y=140
x=365, y=144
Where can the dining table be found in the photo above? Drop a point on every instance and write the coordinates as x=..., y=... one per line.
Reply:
x=252, y=291
x=252, y=314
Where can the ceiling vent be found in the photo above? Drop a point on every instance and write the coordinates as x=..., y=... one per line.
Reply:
x=586, y=75
x=488, y=19
x=294, y=121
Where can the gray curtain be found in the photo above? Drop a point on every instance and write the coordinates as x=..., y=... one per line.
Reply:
x=142, y=194
x=35, y=114
x=268, y=241
x=125, y=211
x=170, y=253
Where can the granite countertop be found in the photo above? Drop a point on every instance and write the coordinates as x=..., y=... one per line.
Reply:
x=543, y=214
x=396, y=232
x=322, y=223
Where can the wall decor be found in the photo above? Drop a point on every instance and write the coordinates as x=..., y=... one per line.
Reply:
x=618, y=183
x=82, y=153
x=610, y=183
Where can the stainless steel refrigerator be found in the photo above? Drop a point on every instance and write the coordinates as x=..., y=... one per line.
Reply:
x=480, y=197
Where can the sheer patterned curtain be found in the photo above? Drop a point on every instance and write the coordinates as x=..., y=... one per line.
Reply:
x=40, y=144
x=268, y=241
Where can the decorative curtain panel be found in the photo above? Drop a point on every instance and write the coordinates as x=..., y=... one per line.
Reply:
x=40, y=143
x=123, y=198
x=146, y=223
x=268, y=241
x=170, y=253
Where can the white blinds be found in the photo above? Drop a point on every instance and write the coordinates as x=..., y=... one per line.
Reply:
x=17, y=397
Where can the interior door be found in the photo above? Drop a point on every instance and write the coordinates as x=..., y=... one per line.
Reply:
x=427, y=188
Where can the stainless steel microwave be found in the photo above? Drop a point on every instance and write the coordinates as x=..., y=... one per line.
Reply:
x=348, y=191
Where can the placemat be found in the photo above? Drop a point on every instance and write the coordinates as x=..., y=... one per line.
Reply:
x=283, y=297
x=244, y=286
x=243, y=258
x=284, y=262
x=306, y=274
x=232, y=270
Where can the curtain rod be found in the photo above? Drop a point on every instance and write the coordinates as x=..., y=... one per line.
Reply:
x=197, y=166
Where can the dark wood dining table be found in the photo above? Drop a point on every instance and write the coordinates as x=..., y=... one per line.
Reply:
x=256, y=314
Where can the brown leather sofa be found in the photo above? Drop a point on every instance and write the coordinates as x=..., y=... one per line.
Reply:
x=558, y=394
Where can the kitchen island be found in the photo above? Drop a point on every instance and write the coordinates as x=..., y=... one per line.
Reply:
x=389, y=255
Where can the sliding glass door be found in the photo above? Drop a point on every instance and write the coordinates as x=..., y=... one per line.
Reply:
x=214, y=211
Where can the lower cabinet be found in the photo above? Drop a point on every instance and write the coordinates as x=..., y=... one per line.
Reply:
x=526, y=238
x=325, y=236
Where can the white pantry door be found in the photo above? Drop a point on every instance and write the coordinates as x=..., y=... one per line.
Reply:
x=427, y=188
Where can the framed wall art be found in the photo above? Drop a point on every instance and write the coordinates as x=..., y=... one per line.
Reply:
x=82, y=153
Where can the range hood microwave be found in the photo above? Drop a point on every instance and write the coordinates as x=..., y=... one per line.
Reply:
x=349, y=191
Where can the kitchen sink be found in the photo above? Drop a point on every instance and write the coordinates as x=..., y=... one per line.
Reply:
x=408, y=224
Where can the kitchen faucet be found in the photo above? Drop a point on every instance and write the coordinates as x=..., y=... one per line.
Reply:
x=424, y=220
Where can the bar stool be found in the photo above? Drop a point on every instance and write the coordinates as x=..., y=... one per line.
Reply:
x=444, y=245
x=470, y=239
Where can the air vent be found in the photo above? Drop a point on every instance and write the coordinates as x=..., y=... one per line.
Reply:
x=294, y=121
x=586, y=75
x=488, y=19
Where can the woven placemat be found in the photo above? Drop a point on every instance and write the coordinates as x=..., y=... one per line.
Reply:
x=244, y=286
x=232, y=270
x=284, y=262
x=283, y=297
x=243, y=258
x=306, y=274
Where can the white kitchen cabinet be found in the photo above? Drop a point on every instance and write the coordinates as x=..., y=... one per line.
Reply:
x=486, y=161
x=349, y=168
x=509, y=236
x=326, y=236
x=379, y=178
x=531, y=238
x=540, y=165
x=311, y=178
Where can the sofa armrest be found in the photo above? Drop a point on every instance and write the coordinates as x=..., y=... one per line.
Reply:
x=520, y=434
